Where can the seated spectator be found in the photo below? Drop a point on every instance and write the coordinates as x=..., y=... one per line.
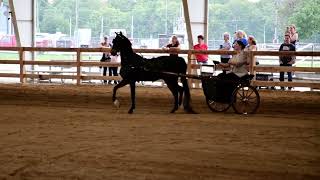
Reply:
x=238, y=62
x=294, y=37
x=201, y=58
x=286, y=60
x=173, y=46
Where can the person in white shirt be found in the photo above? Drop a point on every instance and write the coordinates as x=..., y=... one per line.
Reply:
x=238, y=63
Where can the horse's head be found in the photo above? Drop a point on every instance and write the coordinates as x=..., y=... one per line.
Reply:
x=120, y=42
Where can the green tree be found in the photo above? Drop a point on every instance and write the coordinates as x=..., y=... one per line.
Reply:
x=307, y=18
x=257, y=19
x=229, y=16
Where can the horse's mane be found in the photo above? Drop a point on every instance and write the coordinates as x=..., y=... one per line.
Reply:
x=136, y=60
x=125, y=39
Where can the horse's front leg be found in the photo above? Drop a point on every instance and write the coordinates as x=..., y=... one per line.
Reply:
x=114, y=94
x=174, y=88
x=133, y=96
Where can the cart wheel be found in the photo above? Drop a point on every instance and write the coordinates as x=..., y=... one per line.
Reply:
x=217, y=106
x=246, y=100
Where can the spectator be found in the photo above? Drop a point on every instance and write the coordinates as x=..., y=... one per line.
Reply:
x=105, y=56
x=174, y=45
x=252, y=46
x=201, y=58
x=238, y=62
x=286, y=60
x=226, y=46
x=113, y=71
x=287, y=30
x=294, y=37
x=239, y=35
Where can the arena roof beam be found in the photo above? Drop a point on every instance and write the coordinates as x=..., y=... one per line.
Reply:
x=196, y=17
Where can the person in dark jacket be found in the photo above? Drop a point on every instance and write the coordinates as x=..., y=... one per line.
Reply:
x=286, y=60
x=173, y=46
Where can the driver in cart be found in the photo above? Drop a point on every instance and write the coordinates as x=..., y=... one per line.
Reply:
x=238, y=63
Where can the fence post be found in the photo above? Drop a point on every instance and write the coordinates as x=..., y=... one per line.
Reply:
x=189, y=69
x=252, y=64
x=78, y=66
x=21, y=62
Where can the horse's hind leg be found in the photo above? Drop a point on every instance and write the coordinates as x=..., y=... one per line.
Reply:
x=133, y=96
x=114, y=94
x=173, y=86
x=180, y=88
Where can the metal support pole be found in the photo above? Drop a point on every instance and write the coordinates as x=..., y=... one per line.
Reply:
x=188, y=23
x=14, y=22
x=206, y=16
x=166, y=24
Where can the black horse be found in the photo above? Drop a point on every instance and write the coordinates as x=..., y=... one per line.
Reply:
x=136, y=68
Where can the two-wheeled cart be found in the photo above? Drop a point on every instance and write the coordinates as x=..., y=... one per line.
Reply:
x=221, y=94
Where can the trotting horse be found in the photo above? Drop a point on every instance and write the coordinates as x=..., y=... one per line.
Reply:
x=136, y=68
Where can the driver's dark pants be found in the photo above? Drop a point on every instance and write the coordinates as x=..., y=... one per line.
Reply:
x=225, y=60
x=227, y=85
x=229, y=76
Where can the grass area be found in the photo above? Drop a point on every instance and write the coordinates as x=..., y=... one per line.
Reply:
x=9, y=56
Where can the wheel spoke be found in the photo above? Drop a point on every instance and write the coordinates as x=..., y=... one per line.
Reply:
x=252, y=102
x=242, y=91
x=239, y=94
x=250, y=93
x=246, y=102
x=217, y=106
x=255, y=97
x=247, y=92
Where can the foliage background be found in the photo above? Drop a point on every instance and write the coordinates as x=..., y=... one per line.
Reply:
x=259, y=19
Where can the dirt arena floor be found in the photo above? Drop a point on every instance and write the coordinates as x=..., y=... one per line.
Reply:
x=67, y=132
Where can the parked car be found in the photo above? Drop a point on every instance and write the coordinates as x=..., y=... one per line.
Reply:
x=64, y=42
x=43, y=40
x=8, y=40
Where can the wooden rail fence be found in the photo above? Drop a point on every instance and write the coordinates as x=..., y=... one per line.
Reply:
x=78, y=63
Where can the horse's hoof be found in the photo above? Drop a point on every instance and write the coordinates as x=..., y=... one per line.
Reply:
x=173, y=110
x=116, y=103
x=130, y=111
x=190, y=111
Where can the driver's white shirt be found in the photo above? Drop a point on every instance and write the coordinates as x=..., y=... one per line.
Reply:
x=241, y=57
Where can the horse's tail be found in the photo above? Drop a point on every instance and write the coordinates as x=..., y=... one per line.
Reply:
x=187, y=97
